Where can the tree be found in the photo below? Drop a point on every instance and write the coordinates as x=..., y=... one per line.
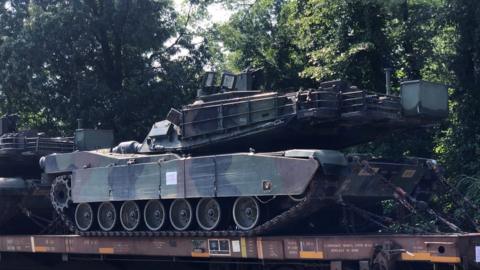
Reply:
x=460, y=146
x=346, y=40
x=261, y=35
x=352, y=40
x=103, y=61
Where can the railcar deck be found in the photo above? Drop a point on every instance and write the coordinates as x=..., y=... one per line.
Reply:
x=451, y=251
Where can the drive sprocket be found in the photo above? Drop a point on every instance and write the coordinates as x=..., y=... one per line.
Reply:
x=61, y=193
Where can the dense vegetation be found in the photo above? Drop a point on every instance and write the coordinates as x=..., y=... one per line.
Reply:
x=117, y=62
x=107, y=62
x=306, y=41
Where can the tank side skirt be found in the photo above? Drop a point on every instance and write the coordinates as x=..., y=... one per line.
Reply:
x=220, y=176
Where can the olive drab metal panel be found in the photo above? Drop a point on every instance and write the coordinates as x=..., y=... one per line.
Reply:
x=212, y=118
x=318, y=104
x=172, y=179
x=91, y=185
x=236, y=114
x=369, y=185
x=68, y=162
x=421, y=98
x=332, y=162
x=90, y=139
x=127, y=182
x=241, y=174
x=263, y=109
x=210, y=176
x=200, y=177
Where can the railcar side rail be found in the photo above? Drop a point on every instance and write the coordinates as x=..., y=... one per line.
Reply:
x=460, y=251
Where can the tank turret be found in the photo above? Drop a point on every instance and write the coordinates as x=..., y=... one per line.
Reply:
x=233, y=117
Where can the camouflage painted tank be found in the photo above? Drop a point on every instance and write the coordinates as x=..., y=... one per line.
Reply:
x=24, y=200
x=233, y=118
x=152, y=187
x=243, y=191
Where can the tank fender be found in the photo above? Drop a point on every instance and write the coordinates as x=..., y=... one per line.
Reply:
x=332, y=162
x=68, y=162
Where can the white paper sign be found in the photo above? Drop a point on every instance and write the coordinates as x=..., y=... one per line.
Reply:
x=235, y=246
x=171, y=178
x=477, y=254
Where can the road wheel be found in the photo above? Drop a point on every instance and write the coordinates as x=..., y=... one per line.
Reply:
x=246, y=213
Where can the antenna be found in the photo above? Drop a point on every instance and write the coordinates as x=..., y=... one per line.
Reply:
x=79, y=123
x=388, y=75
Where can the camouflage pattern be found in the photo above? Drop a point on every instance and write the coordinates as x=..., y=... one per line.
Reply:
x=20, y=151
x=91, y=139
x=98, y=176
x=333, y=116
x=68, y=162
x=20, y=184
x=362, y=185
x=210, y=176
x=22, y=188
x=216, y=130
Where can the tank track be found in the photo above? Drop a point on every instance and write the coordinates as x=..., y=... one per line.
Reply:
x=302, y=209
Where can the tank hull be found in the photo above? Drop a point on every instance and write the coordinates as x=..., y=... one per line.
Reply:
x=297, y=182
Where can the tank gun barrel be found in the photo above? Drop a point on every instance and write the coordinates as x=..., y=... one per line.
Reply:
x=388, y=84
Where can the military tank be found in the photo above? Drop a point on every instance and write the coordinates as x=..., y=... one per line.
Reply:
x=169, y=185
x=230, y=117
x=25, y=204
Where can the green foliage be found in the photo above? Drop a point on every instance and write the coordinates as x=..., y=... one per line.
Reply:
x=346, y=40
x=103, y=61
x=460, y=145
x=354, y=40
x=124, y=63
x=262, y=36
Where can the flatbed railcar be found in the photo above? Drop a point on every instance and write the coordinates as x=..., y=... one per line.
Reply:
x=334, y=252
